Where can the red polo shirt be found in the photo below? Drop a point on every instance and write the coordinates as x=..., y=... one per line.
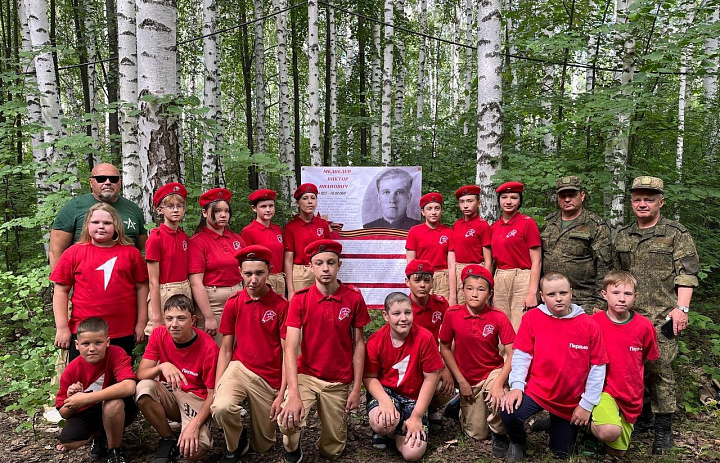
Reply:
x=629, y=345
x=196, y=361
x=469, y=239
x=476, y=339
x=298, y=234
x=214, y=255
x=327, y=324
x=431, y=315
x=170, y=249
x=256, y=325
x=103, y=281
x=271, y=237
x=401, y=369
x=431, y=244
x=563, y=349
x=511, y=241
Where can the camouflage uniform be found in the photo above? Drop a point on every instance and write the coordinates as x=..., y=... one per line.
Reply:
x=582, y=251
x=660, y=257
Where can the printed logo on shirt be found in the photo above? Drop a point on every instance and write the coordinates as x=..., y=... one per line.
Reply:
x=236, y=245
x=488, y=330
x=189, y=372
x=578, y=346
x=470, y=233
x=279, y=238
x=107, y=269
x=512, y=233
x=320, y=232
x=344, y=313
x=443, y=239
x=269, y=315
x=129, y=224
x=401, y=367
x=97, y=385
x=184, y=245
x=635, y=349
x=437, y=316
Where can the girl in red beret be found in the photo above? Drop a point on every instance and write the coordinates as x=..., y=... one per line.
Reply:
x=517, y=255
x=214, y=271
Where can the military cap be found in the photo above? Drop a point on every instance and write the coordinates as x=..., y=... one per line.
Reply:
x=305, y=188
x=467, y=190
x=645, y=182
x=262, y=195
x=510, y=187
x=173, y=188
x=478, y=271
x=431, y=198
x=569, y=182
x=254, y=252
x=216, y=194
x=316, y=247
x=419, y=266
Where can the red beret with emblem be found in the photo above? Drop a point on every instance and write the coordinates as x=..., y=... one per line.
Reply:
x=419, y=266
x=216, y=194
x=254, y=252
x=305, y=188
x=478, y=271
x=510, y=187
x=173, y=188
x=431, y=198
x=467, y=190
x=316, y=247
x=262, y=195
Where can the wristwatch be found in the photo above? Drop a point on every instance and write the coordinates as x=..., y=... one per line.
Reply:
x=684, y=308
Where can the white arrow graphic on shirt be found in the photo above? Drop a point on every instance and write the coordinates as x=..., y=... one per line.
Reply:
x=107, y=269
x=401, y=367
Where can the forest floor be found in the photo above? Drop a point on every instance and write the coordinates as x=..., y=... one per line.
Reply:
x=697, y=439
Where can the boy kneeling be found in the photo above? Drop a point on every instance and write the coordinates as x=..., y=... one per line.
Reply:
x=185, y=359
x=631, y=341
x=96, y=394
x=402, y=366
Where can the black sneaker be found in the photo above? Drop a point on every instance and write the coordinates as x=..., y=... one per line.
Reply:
x=379, y=442
x=167, y=451
x=516, y=452
x=242, y=448
x=295, y=456
x=98, y=447
x=116, y=455
x=500, y=445
x=663, y=434
x=541, y=425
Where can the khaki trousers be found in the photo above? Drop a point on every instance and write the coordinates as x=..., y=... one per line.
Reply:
x=441, y=283
x=277, y=283
x=477, y=417
x=217, y=296
x=237, y=384
x=331, y=399
x=166, y=291
x=511, y=288
x=302, y=276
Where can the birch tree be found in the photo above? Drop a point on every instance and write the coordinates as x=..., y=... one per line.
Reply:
x=710, y=81
x=489, y=108
x=259, y=61
x=157, y=45
x=332, y=86
x=376, y=81
x=548, y=87
x=401, y=69
x=468, y=16
x=211, y=95
x=285, y=141
x=128, y=88
x=419, y=99
x=314, y=83
x=387, y=83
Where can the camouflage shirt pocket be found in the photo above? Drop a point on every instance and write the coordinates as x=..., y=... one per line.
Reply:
x=624, y=254
x=578, y=244
x=660, y=259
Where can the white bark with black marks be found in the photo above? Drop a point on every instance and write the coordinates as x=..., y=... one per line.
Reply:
x=211, y=95
x=286, y=149
x=128, y=104
x=314, y=83
x=386, y=102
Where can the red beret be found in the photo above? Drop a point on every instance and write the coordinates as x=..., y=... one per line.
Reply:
x=305, y=188
x=316, y=247
x=262, y=195
x=419, y=266
x=254, y=252
x=478, y=271
x=216, y=194
x=510, y=187
x=431, y=198
x=173, y=188
x=467, y=190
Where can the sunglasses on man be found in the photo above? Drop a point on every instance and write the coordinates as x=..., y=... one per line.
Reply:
x=105, y=178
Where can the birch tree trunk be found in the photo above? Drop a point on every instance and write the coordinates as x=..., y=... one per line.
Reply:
x=489, y=110
x=285, y=141
x=469, y=65
x=314, y=83
x=376, y=81
x=211, y=96
x=401, y=70
x=113, y=76
x=547, y=89
x=455, y=61
x=332, y=94
x=259, y=60
x=157, y=45
x=128, y=87
x=387, y=83
x=710, y=82
x=419, y=100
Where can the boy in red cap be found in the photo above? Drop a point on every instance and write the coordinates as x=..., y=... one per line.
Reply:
x=432, y=241
x=166, y=252
x=476, y=329
x=302, y=230
x=471, y=236
x=251, y=357
x=402, y=368
x=263, y=232
x=330, y=316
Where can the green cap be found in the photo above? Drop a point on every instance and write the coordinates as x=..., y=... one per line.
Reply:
x=570, y=182
x=646, y=182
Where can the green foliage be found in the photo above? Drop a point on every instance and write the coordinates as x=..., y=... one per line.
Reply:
x=699, y=354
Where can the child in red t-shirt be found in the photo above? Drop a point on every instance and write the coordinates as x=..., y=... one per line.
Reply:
x=108, y=278
x=476, y=330
x=166, y=253
x=96, y=394
x=402, y=366
x=184, y=358
x=631, y=340
x=558, y=364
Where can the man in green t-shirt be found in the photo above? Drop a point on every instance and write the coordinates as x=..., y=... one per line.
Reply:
x=105, y=183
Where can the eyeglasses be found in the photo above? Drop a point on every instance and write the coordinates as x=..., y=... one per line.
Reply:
x=174, y=207
x=105, y=178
